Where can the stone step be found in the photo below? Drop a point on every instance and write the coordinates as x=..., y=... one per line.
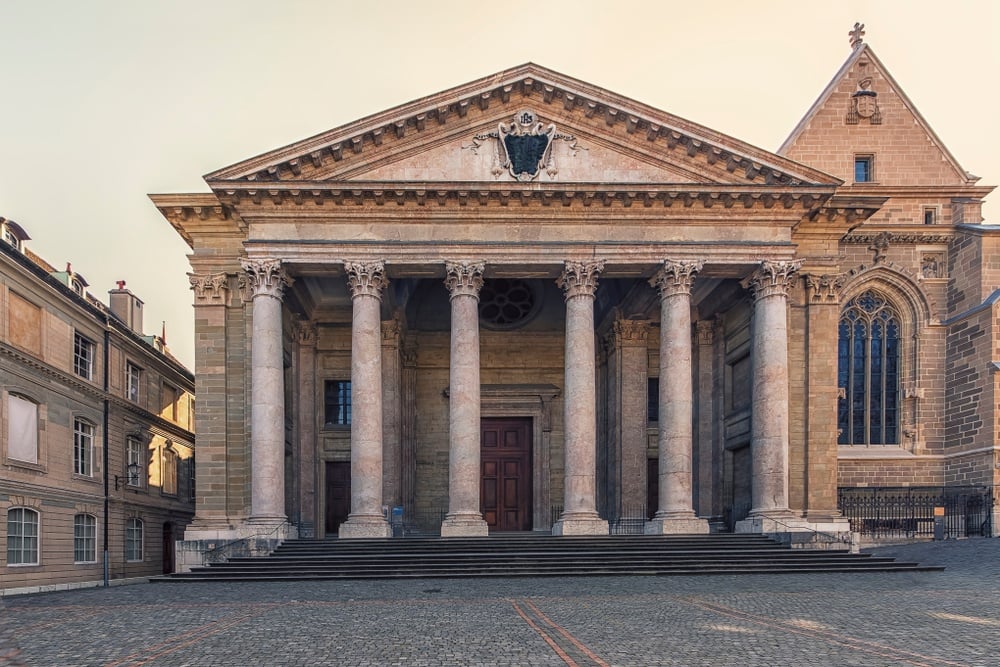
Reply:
x=535, y=555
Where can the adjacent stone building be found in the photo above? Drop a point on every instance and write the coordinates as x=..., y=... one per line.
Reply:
x=530, y=304
x=96, y=431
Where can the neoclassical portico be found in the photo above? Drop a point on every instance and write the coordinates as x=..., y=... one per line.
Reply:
x=458, y=291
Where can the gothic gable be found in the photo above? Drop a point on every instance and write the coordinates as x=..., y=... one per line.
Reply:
x=524, y=124
x=864, y=112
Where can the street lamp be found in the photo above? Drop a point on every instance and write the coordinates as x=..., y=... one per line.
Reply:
x=133, y=474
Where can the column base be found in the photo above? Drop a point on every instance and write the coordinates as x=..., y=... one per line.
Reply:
x=367, y=526
x=464, y=525
x=676, y=525
x=580, y=525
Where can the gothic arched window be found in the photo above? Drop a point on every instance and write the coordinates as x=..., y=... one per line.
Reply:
x=868, y=372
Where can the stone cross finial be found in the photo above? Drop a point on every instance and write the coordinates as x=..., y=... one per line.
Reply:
x=857, y=34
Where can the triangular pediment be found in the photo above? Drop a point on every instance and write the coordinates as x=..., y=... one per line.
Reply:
x=864, y=111
x=593, y=136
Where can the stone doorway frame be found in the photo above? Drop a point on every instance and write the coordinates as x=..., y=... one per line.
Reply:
x=532, y=401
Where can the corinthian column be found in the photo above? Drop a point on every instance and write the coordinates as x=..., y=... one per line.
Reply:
x=769, y=418
x=266, y=281
x=676, y=511
x=366, y=280
x=579, y=517
x=464, y=281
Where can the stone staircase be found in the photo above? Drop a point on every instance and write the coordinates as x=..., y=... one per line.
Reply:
x=528, y=555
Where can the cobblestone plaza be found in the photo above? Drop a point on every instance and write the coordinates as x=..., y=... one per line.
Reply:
x=934, y=619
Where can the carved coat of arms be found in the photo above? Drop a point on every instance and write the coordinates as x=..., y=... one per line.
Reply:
x=523, y=147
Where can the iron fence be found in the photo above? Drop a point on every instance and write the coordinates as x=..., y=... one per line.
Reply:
x=907, y=512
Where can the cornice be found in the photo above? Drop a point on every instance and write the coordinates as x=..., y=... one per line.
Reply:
x=198, y=212
x=552, y=94
x=901, y=236
x=923, y=191
x=243, y=195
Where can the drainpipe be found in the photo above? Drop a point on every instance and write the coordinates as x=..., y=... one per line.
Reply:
x=106, y=457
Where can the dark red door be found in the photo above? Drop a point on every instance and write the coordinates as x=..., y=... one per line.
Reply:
x=338, y=494
x=506, y=479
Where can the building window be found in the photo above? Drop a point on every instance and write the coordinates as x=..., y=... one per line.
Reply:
x=83, y=357
x=169, y=476
x=22, y=536
x=84, y=539
x=133, y=540
x=653, y=400
x=134, y=454
x=10, y=237
x=863, y=172
x=133, y=380
x=930, y=216
x=868, y=372
x=168, y=402
x=22, y=429
x=337, y=403
x=83, y=448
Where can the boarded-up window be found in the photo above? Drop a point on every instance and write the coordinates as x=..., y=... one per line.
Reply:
x=25, y=325
x=22, y=429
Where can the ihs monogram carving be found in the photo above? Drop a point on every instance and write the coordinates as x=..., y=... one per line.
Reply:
x=464, y=278
x=523, y=147
x=366, y=278
x=580, y=278
x=675, y=277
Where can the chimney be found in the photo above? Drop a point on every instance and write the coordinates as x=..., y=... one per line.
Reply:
x=126, y=306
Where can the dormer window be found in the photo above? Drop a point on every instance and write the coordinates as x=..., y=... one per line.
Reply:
x=13, y=234
x=76, y=285
x=9, y=236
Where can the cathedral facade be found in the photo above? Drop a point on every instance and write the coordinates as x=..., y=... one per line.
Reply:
x=530, y=304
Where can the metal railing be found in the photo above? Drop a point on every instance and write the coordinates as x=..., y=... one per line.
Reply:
x=909, y=512
x=255, y=546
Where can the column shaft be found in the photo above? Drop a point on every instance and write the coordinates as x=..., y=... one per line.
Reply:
x=267, y=420
x=769, y=417
x=580, y=517
x=676, y=402
x=366, y=518
x=464, y=517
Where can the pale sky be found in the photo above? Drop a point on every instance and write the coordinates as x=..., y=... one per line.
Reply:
x=104, y=102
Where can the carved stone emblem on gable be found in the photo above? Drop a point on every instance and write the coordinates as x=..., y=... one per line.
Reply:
x=864, y=101
x=523, y=147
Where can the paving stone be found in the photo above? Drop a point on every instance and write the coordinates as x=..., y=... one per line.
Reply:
x=929, y=618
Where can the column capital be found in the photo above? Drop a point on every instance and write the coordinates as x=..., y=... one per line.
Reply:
x=580, y=278
x=265, y=277
x=675, y=277
x=391, y=331
x=825, y=288
x=629, y=332
x=706, y=331
x=771, y=278
x=464, y=278
x=305, y=331
x=209, y=287
x=366, y=278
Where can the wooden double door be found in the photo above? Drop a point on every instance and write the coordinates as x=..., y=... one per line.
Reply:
x=505, y=485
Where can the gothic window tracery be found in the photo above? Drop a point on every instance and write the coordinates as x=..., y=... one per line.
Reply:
x=868, y=372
